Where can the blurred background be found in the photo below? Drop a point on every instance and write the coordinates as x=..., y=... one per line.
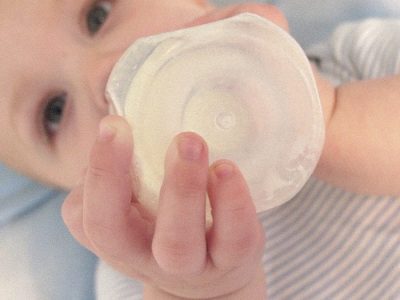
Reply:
x=313, y=20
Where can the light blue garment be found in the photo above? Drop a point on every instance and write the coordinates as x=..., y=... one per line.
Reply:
x=38, y=257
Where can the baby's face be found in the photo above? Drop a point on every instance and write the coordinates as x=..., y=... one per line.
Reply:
x=56, y=56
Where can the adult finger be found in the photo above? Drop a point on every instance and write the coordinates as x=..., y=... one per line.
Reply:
x=236, y=235
x=179, y=244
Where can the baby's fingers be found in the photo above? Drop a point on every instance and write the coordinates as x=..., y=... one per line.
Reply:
x=179, y=244
x=236, y=235
x=113, y=225
x=72, y=212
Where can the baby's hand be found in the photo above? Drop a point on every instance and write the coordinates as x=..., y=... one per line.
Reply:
x=175, y=255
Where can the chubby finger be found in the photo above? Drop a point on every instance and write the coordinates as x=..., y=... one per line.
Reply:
x=111, y=223
x=179, y=243
x=236, y=234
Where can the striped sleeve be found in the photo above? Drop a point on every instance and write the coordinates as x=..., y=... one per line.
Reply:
x=364, y=50
x=330, y=244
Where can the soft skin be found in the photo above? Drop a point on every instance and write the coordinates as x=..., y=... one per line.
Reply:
x=47, y=51
x=175, y=255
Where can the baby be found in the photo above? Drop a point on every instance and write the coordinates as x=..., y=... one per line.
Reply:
x=56, y=57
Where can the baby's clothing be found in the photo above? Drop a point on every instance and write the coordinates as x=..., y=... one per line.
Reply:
x=39, y=259
x=326, y=243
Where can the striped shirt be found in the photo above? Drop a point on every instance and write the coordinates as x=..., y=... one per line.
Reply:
x=327, y=243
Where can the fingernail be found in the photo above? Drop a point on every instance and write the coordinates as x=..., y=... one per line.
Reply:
x=106, y=132
x=224, y=170
x=190, y=148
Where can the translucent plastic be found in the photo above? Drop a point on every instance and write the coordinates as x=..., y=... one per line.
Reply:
x=243, y=84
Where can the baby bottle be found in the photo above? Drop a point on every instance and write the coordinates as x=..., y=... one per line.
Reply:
x=243, y=84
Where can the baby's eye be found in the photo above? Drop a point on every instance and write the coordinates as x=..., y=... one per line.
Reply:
x=97, y=15
x=52, y=115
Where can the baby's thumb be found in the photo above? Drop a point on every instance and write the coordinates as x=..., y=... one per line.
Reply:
x=109, y=174
x=106, y=176
x=72, y=214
